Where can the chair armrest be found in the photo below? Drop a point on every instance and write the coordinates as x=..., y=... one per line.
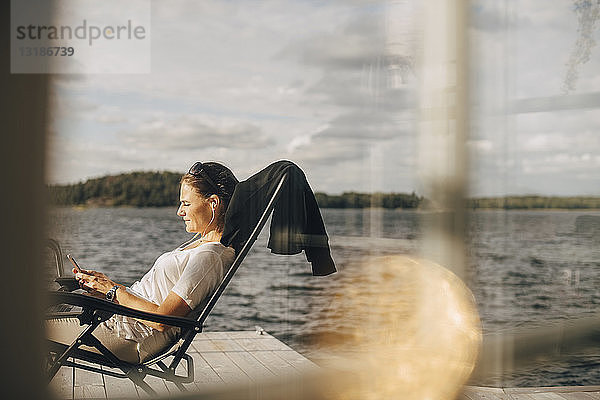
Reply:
x=94, y=303
x=67, y=283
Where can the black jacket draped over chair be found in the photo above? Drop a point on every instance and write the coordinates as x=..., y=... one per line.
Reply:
x=296, y=224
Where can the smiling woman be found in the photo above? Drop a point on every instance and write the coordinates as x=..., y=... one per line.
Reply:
x=193, y=211
x=203, y=197
x=178, y=281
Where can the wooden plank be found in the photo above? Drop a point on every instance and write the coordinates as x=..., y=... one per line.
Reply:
x=89, y=392
x=534, y=393
x=594, y=395
x=61, y=385
x=204, y=374
x=226, y=345
x=274, y=363
x=219, y=345
x=267, y=343
x=272, y=343
x=297, y=360
x=576, y=396
x=174, y=390
x=519, y=396
x=226, y=369
x=86, y=378
x=252, y=344
x=88, y=384
x=221, y=335
x=251, y=339
x=545, y=389
x=181, y=371
x=119, y=388
x=485, y=393
x=204, y=346
x=547, y=396
x=250, y=365
x=487, y=389
x=155, y=383
x=589, y=388
x=246, y=335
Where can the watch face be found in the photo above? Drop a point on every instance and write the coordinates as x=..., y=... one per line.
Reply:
x=110, y=295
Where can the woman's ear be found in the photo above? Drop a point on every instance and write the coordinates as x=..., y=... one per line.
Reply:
x=214, y=201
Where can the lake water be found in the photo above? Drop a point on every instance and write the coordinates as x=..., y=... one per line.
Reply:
x=525, y=269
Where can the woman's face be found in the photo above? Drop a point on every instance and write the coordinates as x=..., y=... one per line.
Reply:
x=194, y=209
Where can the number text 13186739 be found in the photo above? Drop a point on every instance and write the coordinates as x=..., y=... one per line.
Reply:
x=57, y=51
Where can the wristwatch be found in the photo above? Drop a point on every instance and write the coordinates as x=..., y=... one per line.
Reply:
x=111, y=295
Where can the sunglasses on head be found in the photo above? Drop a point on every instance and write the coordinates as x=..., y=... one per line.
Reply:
x=198, y=171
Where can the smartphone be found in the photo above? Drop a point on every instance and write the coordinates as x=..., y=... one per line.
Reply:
x=70, y=257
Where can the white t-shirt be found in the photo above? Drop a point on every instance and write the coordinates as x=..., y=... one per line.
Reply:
x=191, y=274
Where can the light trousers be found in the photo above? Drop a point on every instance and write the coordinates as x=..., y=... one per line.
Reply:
x=66, y=330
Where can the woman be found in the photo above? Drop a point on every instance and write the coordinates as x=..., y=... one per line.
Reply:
x=178, y=281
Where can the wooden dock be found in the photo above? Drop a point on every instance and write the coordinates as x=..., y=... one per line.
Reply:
x=245, y=357
x=219, y=357
x=531, y=393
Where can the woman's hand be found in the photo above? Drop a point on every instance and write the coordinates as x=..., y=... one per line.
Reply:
x=93, y=281
x=97, y=284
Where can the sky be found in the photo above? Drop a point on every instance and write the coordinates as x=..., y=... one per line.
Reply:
x=249, y=83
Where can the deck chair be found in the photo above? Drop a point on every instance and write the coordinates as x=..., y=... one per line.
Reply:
x=95, y=311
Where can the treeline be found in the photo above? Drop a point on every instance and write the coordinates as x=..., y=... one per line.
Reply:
x=535, y=202
x=366, y=200
x=138, y=189
x=160, y=189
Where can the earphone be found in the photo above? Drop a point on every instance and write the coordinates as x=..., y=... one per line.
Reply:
x=212, y=207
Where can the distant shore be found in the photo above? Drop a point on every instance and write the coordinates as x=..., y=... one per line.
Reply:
x=536, y=203
x=418, y=210
x=161, y=189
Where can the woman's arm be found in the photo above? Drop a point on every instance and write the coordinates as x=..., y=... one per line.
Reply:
x=97, y=282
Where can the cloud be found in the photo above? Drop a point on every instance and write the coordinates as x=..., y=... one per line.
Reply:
x=111, y=116
x=371, y=88
x=546, y=153
x=327, y=151
x=74, y=159
x=71, y=106
x=495, y=17
x=240, y=81
x=527, y=42
x=363, y=105
x=352, y=137
x=365, y=125
x=481, y=146
x=562, y=163
x=317, y=83
x=557, y=103
x=196, y=132
x=334, y=165
x=359, y=41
